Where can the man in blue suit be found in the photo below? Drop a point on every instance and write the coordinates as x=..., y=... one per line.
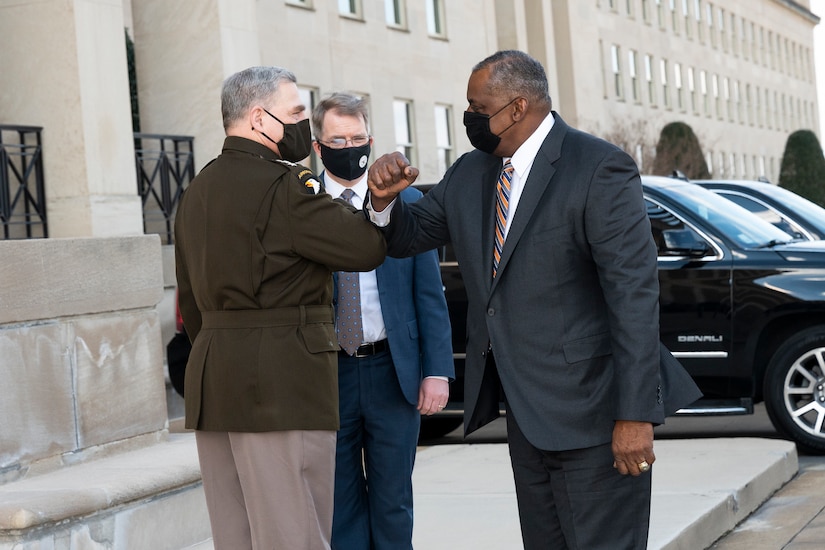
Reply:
x=395, y=361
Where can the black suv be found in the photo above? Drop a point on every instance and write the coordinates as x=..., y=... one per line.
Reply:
x=742, y=306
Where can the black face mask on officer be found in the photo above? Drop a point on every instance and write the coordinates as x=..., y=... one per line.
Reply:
x=297, y=141
x=478, y=129
x=348, y=163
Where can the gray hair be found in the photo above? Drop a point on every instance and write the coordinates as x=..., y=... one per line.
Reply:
x=342, y=103
x=255, y=85
x=515, y=72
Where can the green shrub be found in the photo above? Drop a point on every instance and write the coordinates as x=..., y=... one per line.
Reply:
x=678, y=149
x=803, y=166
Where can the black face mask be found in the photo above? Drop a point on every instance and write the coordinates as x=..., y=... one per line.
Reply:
x=297, y=141
x=348, y=163
x=478, y=130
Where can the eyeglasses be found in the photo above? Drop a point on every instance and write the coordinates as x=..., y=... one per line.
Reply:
x=340, y=143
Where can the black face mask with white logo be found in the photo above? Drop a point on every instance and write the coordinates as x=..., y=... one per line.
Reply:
x=348, y=164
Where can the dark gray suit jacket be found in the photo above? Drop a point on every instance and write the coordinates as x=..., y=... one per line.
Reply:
x=573, y=316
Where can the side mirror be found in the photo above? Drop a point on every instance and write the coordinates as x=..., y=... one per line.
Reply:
x=683, y=242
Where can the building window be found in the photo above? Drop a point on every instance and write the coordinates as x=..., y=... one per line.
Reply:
x=709, y=161
x=634, y=76
x=744, y=37
x=721, y=164
x=444, y=136
x=703, y=87
x=628, y=6
x=714, y=81
x=402, y=118
x=660, y=13
x=646, y=11
x=300, y=3
x=733, y=40
x=686, y=17
x=726, y=93
x=737, y=99
x=309, y=97
x=711, y=28
x=674, y=19
x=748, y=104
x=436, y=25
x=677, y=83
x=651, y=87
x=697, y=14
x=617, y=70
x=723, y=38
x=762, y=54
x=396, y=13
x=757, y=96
x=692, y=89
x=350, y=8
x=665, y=91
x=732, y=165
x=752, y=34
x=770, y=50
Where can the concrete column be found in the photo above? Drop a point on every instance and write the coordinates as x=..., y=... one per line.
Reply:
x=64, y=68
x=183, y=52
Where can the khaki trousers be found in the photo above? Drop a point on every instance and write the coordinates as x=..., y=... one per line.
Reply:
x=268, y=490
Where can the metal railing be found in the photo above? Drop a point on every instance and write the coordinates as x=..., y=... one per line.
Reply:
x=22, y=191
x=165, y=165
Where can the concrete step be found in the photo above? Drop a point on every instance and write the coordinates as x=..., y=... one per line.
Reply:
x=147, y=498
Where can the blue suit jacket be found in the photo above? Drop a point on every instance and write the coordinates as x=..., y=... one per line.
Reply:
x=415, y=315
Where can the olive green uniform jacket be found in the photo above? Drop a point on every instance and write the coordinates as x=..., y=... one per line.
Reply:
x=255, y=251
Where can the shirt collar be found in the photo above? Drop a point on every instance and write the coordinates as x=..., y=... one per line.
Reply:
x=335, y=189
x=523, y=158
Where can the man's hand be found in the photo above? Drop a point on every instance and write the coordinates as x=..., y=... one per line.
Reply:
x=433, y=395
x=387, y=177
x=632, y=446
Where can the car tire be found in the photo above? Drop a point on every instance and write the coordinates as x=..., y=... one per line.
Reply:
x=433, y=427
x=795, y=389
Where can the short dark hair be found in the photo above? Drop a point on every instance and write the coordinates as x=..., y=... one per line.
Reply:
x=513, y=71
x=342, y=103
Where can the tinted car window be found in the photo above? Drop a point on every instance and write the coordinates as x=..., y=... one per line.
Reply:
x=763, y=211
x=672, y=236
x=731, y=220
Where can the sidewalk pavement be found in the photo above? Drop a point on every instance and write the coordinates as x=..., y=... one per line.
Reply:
x=702, y=488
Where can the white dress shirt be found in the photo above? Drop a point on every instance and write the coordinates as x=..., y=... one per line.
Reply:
x=372, y=321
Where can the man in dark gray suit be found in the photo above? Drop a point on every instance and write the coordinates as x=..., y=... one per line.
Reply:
x=552, y=237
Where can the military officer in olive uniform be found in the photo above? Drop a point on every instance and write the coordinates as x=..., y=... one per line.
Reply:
x=256, y=246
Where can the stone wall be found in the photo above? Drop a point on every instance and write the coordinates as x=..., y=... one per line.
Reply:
x=81, y=354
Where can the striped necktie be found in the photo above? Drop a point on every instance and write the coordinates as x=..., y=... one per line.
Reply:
x=348, y=313
x=502, y=206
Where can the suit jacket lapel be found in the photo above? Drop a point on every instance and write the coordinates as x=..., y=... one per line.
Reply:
x=537, y=183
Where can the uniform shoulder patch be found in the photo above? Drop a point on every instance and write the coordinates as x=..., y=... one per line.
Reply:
x=308, y=180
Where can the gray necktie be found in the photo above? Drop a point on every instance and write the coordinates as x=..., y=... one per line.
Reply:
x=348, y=314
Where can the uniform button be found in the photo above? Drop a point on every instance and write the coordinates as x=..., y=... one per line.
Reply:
x=491, y=311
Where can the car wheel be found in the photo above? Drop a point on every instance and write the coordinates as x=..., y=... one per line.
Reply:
x=433, y=427
x=795, y=389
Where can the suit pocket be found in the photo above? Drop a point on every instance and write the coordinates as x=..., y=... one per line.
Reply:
x=587, y=348
x=412, y=329
x=319, y=338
